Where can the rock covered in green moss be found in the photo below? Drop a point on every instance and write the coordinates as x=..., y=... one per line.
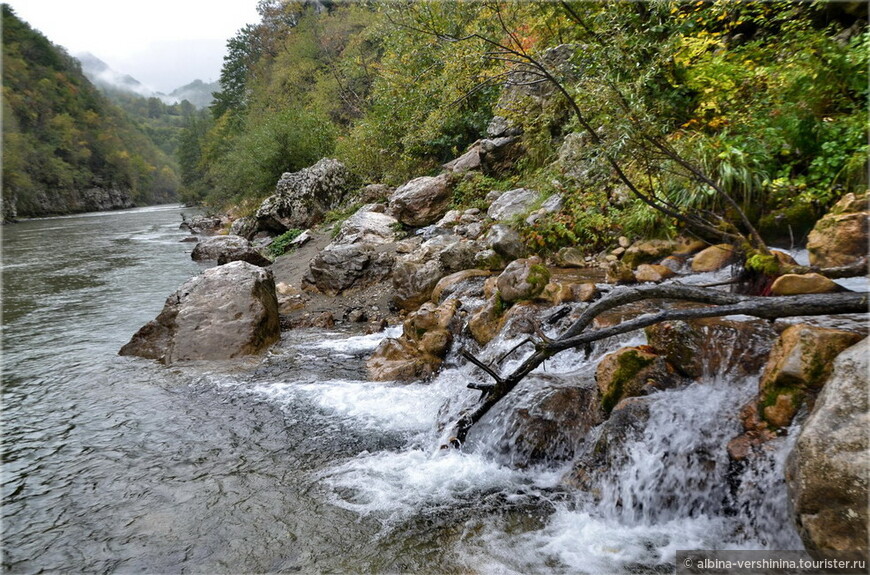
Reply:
x=799, y=364
x=523, y=279
x=630, y=372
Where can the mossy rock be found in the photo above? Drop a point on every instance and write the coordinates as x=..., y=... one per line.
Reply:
x=630, y=372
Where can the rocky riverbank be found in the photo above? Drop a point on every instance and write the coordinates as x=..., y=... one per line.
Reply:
x=464, y=278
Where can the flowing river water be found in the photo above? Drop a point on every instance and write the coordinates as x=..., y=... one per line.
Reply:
x=294, y=463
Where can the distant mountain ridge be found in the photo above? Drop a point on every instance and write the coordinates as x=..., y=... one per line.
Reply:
x=109, y=80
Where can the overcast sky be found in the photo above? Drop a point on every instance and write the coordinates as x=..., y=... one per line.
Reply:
x=164, y=44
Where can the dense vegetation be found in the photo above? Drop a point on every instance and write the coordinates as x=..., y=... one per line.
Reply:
x=688, y=103
x=61, y=137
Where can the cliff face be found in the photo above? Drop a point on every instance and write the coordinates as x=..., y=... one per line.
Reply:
x=65, y=147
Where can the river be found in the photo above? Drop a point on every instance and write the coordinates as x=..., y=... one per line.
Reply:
x=293, y=463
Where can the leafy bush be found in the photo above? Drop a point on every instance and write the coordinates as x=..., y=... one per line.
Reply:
x=279, y=245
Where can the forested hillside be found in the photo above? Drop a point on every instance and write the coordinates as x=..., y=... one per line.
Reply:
x=623, y=108
x=66, y=148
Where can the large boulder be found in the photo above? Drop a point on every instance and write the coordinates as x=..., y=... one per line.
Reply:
x=798, y=367
x=523, y=279
x=414, y=281
x=512, y=203
x=228, y=311
x=841, y=237
x=226, y=249
x=827, y=470
x=342, y=267
x=505, y=241
x=302, y=198
x=367, y=226
x=422, y=201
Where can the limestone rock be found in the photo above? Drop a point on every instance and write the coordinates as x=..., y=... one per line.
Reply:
x=212, y=248
x=421, y=201
x=302, y=198
x=449, y=284
x=647, y=252
x=414, y=282
x=206, y=225
x=652, y=273
x=505, y=241
x=339, y=268
x=367, y=227
x=486, y=322
x=523, y=279
x=512, y=203
x=630, y=372
x=711, y=346
x=713, y=258
x=228, y=311
x=798, y=366
x=841, y=237
x=618, y=272
x=827, y=470
x=796, y=284
x=420, y=350
x=467, y=162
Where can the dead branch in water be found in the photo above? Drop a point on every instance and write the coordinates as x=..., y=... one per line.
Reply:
x=721, y=303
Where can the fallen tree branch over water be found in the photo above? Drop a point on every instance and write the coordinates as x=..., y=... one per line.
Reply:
x=720, y=303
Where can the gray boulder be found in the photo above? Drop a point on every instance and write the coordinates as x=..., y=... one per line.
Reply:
x=367, y=227
x=827, y=470
x=302, y=198
x=226, y=312
x=212, y=248
x=512, y=203
x=422, y=201
x=505, y=241
x=523, y=279
x=341, y=267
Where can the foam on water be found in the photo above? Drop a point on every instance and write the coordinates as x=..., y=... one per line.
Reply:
x=356, y=345
x=395, y=485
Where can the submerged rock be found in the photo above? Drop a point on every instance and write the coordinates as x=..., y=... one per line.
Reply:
x=547, y=423
x=827, y=470
x=228, y=311
x=713, y=346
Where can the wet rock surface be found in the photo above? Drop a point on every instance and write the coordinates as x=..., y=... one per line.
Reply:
x=827, y=471
x=228, y=311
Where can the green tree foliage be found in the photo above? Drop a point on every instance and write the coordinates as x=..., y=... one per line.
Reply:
x=61, y=136
x=720, y=109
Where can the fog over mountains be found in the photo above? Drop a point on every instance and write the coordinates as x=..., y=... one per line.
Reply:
x=108, y=79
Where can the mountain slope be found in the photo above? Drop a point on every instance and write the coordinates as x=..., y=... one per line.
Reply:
x=65, y=147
